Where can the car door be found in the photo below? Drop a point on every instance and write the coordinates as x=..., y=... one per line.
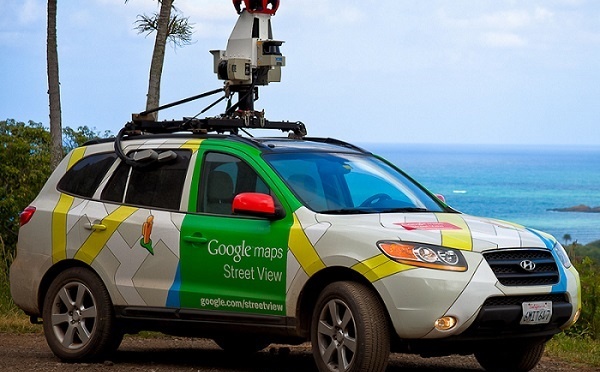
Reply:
x=229, y=262
x=130, y=231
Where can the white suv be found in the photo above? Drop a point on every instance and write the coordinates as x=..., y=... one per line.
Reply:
x=251, y=241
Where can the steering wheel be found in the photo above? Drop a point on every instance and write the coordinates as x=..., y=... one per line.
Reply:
x=375, y=199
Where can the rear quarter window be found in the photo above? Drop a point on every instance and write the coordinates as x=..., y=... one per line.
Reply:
x=158, y=185
x=85, y=176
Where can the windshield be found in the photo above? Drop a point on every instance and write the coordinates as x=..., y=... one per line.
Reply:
x=350, y=183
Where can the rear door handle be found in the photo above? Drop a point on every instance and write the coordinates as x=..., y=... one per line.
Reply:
x=95, y=226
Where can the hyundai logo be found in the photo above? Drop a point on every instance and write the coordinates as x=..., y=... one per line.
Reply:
x=527, y=265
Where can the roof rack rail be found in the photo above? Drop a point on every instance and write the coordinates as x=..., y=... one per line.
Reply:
x=141, y=124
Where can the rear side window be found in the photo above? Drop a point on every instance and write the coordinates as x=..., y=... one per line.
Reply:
x=158, y=185
x=85, y=176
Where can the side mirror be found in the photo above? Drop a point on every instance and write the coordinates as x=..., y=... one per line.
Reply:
x=258, y=205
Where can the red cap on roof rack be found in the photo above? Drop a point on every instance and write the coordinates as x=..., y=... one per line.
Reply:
x=257, y=6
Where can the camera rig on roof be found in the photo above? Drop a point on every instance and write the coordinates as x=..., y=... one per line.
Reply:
x=252, y=59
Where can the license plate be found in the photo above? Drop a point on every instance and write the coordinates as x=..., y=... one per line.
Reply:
x=537, y=312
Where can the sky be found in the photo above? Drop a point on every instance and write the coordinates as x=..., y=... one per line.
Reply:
x=380, y=71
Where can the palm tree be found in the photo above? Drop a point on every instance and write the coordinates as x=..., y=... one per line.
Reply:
x=174, y=28
x=567, y=238
x=56, y=152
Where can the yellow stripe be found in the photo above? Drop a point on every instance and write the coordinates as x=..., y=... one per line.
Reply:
x=387, y=269
x=303, y=250
x=369, y=264
x=460, y=239
x=59, y=227
x=193, y=145
x=379, y=267
x=76, y=155
x=97, y=239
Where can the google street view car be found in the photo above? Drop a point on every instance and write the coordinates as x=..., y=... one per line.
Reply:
x=251, y=241
x=192, y=228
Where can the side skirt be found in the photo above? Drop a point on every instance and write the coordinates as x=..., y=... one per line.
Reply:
x=209, y=324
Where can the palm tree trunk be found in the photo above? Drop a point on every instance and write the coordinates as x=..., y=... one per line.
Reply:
x=158, y=55
x=56, y=153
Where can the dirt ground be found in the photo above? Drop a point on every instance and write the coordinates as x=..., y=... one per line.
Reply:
x=30, y=353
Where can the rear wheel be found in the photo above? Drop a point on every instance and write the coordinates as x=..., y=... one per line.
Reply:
x=79, y=321
x=349, y=330
x=522, y=357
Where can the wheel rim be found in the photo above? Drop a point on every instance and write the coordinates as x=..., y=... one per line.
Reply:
x=74, y=315
x=337, y=335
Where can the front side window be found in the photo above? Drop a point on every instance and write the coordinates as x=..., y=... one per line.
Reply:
x=85, y=176
x=350, y=183
x=225, y=176
x=158, y=185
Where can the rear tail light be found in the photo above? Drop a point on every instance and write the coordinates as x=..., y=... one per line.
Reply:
x=26, y=215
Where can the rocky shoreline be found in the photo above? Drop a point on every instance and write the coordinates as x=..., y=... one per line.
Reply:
x=578, y=208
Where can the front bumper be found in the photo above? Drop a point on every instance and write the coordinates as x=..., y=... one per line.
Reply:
x=482, y=306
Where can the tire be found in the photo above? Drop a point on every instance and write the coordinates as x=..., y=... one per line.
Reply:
x=79, y=321
x=349, y=330
x=241, y=344
x=518, y=358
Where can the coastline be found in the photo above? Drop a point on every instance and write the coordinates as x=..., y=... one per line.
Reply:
x=577, y=208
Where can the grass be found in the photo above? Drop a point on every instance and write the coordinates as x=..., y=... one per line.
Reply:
x=576, y=349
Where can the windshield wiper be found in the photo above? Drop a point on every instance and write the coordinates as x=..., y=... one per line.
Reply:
x=374, y=210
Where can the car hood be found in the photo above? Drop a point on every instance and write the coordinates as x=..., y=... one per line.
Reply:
x=453, y=230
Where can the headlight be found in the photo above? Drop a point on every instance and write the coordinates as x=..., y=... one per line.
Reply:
x=562, y=255
x=424, y=255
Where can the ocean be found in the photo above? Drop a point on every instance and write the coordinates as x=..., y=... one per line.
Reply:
x=513, y=183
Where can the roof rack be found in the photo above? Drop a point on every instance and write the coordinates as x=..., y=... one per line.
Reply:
x=141, y=124
x=232, y=121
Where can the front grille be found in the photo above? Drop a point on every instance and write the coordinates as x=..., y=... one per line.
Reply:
x=507, y=265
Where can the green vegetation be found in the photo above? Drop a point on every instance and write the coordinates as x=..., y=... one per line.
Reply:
x=581, y=343
x=575, y=349
x=585, y=259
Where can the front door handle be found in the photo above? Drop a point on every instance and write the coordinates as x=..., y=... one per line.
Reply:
x=194, y=239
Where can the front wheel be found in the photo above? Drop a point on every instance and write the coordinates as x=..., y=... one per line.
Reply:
x=516, y=358
x=350, y=331
x=79, y=321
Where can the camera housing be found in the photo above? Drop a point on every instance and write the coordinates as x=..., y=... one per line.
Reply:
x=252, y=56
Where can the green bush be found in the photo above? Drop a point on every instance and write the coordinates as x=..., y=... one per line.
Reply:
x=6, y=304
x=589, y=322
